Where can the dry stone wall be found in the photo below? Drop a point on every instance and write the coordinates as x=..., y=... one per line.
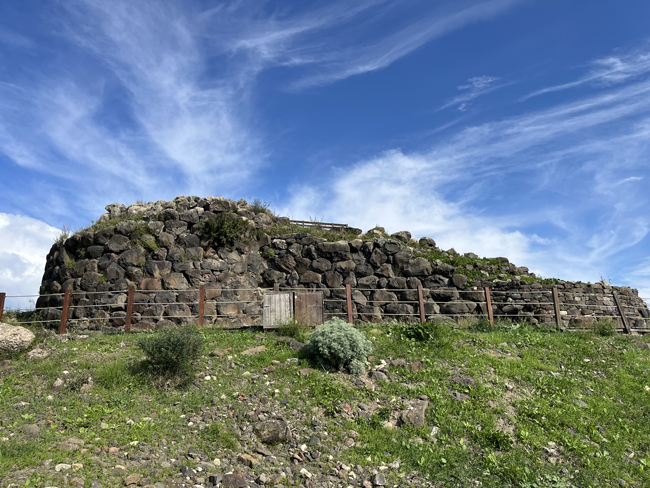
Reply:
x=161, y=249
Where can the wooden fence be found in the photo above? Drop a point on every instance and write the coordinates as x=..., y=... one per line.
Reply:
x=310, y=312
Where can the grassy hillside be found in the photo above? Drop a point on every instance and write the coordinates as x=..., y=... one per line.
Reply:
x=510, y=407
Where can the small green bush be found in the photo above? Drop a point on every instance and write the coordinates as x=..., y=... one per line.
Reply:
x=295, y=329
x=172, y=350
x=605, y=327
x=339, y=345
x=224, y=229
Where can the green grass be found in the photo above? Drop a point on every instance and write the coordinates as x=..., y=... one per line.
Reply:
x=97, y=226
x=549, y=409
x=282, y=228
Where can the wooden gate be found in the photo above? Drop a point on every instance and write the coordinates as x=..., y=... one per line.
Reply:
x=277, y=308
x=309, y=307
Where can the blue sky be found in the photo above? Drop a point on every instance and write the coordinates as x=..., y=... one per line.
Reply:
x=501, y=127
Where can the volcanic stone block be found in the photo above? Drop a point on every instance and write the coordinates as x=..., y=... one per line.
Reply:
x=334, y=251
x=158, y=269
x=417, y=267
x=382, y=297
x=377, y=258
x=311, y=277
x=175, y=281
x=133, y=257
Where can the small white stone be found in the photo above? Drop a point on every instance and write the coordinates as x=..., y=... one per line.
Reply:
x=62, y=467
x=305, y=473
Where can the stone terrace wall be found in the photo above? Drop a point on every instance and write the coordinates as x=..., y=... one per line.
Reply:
x=159, y=248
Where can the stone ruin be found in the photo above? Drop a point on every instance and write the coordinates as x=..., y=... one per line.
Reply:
x=163, y=250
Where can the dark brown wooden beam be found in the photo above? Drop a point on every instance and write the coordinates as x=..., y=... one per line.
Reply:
x=63, y=328
x=129, y=308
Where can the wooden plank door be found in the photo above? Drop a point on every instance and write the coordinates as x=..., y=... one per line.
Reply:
x=277, y=308
x=309, y=307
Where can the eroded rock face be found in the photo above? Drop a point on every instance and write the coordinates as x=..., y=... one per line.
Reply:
x=14, y=338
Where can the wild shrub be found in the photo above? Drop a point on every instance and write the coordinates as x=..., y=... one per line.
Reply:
x=171, y=351
x=339, y=345
x=224, y=229
x=294, y=328
x=605, y=327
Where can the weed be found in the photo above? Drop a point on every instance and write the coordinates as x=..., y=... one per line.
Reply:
x=482, y=324
x=148, y=242
x=63, y=235
x=433, y=332
x=113, y=375
x=605, y=327
x=259, y=206
x=70, y=264
x=295, y=329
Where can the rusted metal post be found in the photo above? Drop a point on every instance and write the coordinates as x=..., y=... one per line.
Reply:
x=129, y=308
x=2, y=304
x=201, y=304
x=488, y=305
x=556, y=307
x=63, y=328
x=348, y=296
x=622, y=312
x=421, y=302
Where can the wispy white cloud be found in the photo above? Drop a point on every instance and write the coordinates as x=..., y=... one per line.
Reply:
x=558, y=169
x=363, y=57
x=179, y=80
x=340, y=40
x=24, y=243
x=607, y=71
x=475, y=87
